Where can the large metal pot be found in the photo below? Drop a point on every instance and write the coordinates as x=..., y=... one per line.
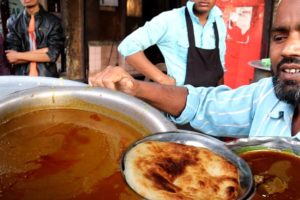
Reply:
x=21, y=94
x=11, y=84
x=92, y=99
x=94, y=160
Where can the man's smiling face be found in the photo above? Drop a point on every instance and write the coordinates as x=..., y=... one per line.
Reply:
x=285, y=51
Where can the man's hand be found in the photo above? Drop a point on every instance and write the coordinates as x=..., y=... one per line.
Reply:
x=12, y=56
x=170, y=99
x=115, y=78
x=167, y=80
x=38, y=55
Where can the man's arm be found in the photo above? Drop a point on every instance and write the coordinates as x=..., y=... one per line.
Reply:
x=167, y=98
x=132, y=47
x=142, y=64
x=13, y=38
x=15, y=57
x=170, y=99
x=56, y=40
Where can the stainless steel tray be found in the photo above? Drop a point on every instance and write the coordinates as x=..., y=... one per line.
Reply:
x=202, y=140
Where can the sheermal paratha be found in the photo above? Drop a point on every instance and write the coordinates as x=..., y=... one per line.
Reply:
x=171, y=171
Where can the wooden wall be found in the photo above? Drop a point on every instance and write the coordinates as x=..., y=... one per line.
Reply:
x=102, y=25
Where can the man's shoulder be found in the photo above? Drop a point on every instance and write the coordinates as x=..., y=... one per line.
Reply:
x=216, y=10
x=11, y=20
x=14, y=18
x=176, y=12
x=167, y=19
x=51, y=16
x=216, y=14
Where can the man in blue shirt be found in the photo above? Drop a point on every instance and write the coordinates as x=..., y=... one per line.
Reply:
x=269, y=107
x=191, y=39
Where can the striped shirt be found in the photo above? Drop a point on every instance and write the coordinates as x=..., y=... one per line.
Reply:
x=251, y=110
x=168, y=31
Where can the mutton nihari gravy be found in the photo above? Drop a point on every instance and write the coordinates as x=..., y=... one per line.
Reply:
x=276, y=174
x=63, y=154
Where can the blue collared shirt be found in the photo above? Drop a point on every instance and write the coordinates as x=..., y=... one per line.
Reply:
x=169, y=31
x=251, y=110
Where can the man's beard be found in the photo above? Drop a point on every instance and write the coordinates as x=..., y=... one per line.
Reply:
x=286, y=90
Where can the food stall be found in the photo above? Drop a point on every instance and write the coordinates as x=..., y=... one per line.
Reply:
x=62, y=140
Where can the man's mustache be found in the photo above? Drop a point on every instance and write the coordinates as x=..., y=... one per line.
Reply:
x=287, y=60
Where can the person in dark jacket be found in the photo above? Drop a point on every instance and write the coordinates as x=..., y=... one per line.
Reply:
x=4, y=14
x=4, y=67
x=34, y=41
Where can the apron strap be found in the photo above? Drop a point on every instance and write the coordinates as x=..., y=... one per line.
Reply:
x=190, y=28
x=216, y=35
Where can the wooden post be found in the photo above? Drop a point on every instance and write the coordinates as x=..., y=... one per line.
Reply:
x=73, y=19
x=4, y=15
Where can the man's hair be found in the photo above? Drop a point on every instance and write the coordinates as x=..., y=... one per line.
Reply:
x=276, y=5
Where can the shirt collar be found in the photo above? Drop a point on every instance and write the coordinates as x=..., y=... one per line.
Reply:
x=214, y=13
x=297, y=136
x=282, y=109
x=285, y=111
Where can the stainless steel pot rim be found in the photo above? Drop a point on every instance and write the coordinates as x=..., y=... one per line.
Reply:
x=11, y=84
x=291, y=145
x=56, y=96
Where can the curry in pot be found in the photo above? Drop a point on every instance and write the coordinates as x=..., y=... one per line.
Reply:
x=276, y=174
x=63, y=154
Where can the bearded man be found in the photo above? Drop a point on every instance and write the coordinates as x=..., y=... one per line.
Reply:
x=269, y=107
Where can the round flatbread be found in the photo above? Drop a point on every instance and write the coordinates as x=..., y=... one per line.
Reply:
x=171, y=171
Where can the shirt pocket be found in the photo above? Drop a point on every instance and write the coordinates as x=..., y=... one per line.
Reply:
x=182, y=42
x=182, y=45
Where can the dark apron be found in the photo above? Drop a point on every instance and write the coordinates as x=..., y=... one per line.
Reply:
x=204, y=66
